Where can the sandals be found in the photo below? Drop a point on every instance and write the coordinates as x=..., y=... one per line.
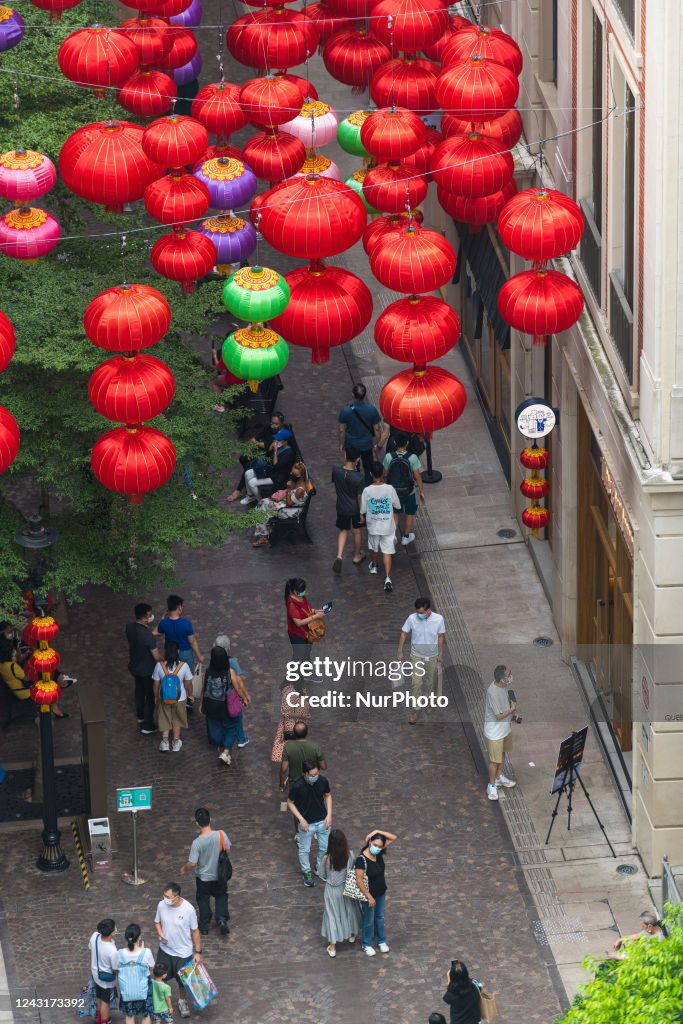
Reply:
x=262, y=542
x=357, y=561
x=235, y=496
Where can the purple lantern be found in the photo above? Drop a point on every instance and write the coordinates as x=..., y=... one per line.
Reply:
x=230, y=182
x=189, y=18
x=188, y=72
x=234, y=238
x=11, y=28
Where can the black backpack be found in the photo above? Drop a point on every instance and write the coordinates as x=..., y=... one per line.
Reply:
x=400, y=474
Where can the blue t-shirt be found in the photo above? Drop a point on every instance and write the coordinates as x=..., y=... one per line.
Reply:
x=354, y=417
x=177, y=631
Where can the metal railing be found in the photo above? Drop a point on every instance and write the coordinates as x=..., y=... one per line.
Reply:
x=590, y=250
x=621, y=323
x=670, y=891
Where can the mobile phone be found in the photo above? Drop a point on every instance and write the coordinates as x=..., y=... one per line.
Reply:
x=327, y=607
x=511, y=695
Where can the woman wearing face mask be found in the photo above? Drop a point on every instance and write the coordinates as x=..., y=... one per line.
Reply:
x=342, y=916
x=300, y=614
x=371, y=882
x=136, y=963
x=287, y=502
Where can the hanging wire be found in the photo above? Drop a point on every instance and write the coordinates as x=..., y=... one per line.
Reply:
x=392, y=57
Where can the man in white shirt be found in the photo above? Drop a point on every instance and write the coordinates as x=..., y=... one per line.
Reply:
x=179, y=938
x=104, y=965
x=427, y=631
x=498, y=712
x=379, y=508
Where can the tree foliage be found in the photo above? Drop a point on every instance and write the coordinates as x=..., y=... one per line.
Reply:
x=102, y=539
x=645, y=988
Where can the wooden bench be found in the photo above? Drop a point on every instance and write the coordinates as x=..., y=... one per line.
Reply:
x=292, y=525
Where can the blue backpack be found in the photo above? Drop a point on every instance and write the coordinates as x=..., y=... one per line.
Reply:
x=134, y=979
x=169, y=692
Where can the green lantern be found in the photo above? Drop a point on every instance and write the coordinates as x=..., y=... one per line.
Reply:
x=255, y=294
x=255, y=353
x=348, y=133
x=355, y=181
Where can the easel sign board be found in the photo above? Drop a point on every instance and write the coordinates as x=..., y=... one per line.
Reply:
x=136, y=798
x=569, y=758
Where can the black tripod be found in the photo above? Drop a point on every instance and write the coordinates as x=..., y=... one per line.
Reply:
x=569, y=780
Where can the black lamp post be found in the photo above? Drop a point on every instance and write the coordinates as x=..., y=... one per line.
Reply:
x=35, y=538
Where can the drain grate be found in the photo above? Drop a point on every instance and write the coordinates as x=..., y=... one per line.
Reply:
x=506, y=534
x=627, y=869
x=543, y=641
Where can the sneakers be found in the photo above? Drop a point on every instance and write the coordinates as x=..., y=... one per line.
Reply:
x=164, y=745
x=148, y=732
x=331, y=950
x=177, y=744
x=183, y=1008
x=243, y=743
x=407, y=538
x=503, y=780
x=224, y=927
x=352, y=938
x=225, y=757
x=383, y=948
x=388, y=585
x=369, y=951
x=308, y=879
x=373, y=569
x=248, y=500
x=491, y=792
x=337, y=566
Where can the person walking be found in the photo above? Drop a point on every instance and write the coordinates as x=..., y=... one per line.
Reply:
x=498, y=713
x=205, y=860
x=298, y=751
x=104, y=965
x=143, y=656
x=223, y=728
x=172, y=681
x=403, y=473
x=292, y=709
x=369, y=867
x=379, y=506
x=462, y=995
x=359, y=427
x=179, y=939
x=310, y=801
x=427, y=632
x=136, y=962
x=175, y=627
x=300, y=614
x=342, y=916
x=348, y=485
x=223, y=640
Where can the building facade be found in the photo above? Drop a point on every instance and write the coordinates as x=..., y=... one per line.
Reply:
x=601, y=103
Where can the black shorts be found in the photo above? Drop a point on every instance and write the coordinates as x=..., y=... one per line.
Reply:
x=348, y=522
x=172, y=963
x=104, y=994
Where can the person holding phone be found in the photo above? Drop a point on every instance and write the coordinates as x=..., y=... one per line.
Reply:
x=300, y=614
x=462, y=995
x=499, y=710
x=369, y=868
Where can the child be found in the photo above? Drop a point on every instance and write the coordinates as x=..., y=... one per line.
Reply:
x=379, y=505
x=162, y=1007
x=135, y=964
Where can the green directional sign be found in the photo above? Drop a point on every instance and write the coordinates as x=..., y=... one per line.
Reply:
x=136, y=798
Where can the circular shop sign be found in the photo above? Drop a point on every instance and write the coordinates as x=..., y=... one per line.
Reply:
x=534, y=418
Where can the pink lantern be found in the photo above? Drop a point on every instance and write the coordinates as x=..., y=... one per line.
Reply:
x=28, y=233
x=25, y=175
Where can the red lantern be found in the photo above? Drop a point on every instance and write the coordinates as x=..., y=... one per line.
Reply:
x=218, y=108
x=353, y=8
x=45, y=692
x=171, y=8
x=270, y=100
x=176, y=198
x=326, y=22
x=417, y=330
x=471, y=165
x=353, y=55
x=482, y=41
x=129, y=389
x=422, y=400
x=127, y=317
x=7, y=341
x=255, y=207
x=9, y=439
x=272, y=39
x=216, y=152
x=133, y=460
x=41, y=627
x=105, y=163
x=327, y=307
x=477, y=89
x=43, y=661
x=307, y=89
x=540, y=302
x=98, y=57
x=183, y=256
x=535, y=458
x=175, y=141
x=182, y=49
x=312, y=217
x=392, y=189
x=534, y=488
x=536, y=519
x=150, y=37
x=147, y=93
x=274, y=156
x=55, y=7
x=540, y=224
x=408, y=24
x=419, y=161
x=405, y=82
x=392, y=133
x=413, y=261
x=506, y=129
x=377, y=228
x=455, y=23
x=474, y=212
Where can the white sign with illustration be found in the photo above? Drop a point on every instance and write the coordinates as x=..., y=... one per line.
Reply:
x=535, y=418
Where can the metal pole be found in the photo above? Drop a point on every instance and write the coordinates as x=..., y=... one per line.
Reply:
x=52, y=857
x=431, y=476
x=134, y=879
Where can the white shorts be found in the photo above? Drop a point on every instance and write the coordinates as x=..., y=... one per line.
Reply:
x=384, y=542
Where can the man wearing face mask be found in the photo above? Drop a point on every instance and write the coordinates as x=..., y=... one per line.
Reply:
x=179, y=938
x=310, y=801
x=499, y=710
x=142, y=658
x=427, y=631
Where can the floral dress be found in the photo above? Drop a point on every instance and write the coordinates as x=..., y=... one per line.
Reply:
x=288, y=716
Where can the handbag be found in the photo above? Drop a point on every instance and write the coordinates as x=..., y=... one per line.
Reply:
x=351, y=887
x=224, y=862
x=233, y=703
x=488, y=1006
x=315, y=630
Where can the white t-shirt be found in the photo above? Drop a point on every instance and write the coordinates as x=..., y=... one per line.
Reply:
x=497, y=700
x=106, y=955
x=177, y=924
x=183, y=672
x=126, y=954
x=378, y=504
x=424, y=634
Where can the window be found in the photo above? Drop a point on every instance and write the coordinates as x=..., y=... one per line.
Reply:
x=627, y=9
x=591, y=243
x=622, y=261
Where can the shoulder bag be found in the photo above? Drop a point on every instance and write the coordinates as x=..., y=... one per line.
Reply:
x=233, y=702
x=488, y=1005
x=351, y=887
x=224, y=862
x=315, y=630
x=102, y=975
x=365, y=423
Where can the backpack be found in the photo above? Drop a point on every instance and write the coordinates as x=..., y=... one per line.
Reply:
x=400, y=475
x=170, y=689
x=134, y=979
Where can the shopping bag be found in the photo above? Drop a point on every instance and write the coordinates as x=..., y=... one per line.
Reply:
x=198, y=984
x=488, y=1007
x=88, y=1004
